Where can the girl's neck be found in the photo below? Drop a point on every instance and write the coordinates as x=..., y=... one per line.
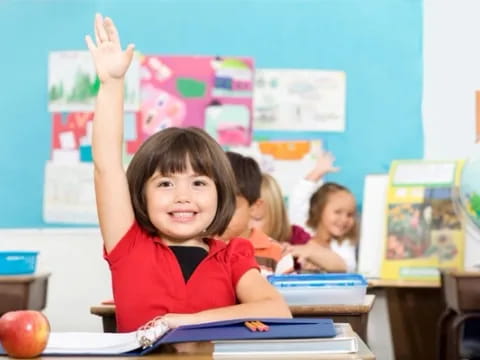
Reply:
x=199, y=242
x=322, y=237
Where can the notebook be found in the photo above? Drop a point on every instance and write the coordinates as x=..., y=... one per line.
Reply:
x=343, y=343
x=156, y=333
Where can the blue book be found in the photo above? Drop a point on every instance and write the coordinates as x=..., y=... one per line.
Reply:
x=150, y=338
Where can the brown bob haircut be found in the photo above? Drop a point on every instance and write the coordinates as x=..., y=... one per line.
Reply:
x=169, y=151
x=319, y=200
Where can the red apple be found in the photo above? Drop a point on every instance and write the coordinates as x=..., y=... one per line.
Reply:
x=24, y=333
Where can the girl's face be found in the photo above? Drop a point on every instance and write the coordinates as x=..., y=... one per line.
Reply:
x=338, y=216
x=182, y=205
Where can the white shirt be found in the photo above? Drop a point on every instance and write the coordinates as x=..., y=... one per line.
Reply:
x=298, y=206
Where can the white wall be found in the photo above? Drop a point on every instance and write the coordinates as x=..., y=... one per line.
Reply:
x=79, y=275
x=451, y=76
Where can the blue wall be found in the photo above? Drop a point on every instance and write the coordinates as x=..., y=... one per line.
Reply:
x=377, y=42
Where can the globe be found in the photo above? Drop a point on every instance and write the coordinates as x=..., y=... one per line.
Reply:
x=467, y=199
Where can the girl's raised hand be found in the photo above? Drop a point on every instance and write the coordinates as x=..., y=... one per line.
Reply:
x=111, y=62
x=323, y=166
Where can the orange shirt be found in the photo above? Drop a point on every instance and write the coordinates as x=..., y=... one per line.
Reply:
x=267, y=251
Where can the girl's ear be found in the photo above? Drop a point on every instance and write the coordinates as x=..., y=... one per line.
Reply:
x=257, y=209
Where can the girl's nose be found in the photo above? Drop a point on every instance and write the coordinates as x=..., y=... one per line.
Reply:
x=182, y=193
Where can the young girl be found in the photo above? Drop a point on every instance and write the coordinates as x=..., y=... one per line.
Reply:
x=272, y=217
x=157, y=220
x=330, y=212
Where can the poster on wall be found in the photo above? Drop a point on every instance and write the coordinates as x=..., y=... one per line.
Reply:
x=204, y=91
x=73, y=83
x=423, y=231
x=68, y=194
x=293, y=100
x=72, y=136
x=287, y=161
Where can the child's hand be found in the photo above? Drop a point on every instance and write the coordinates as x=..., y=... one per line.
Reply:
x=286, y=248
x=323, y=166
x=299, y=252
x=176, y=320
x=110, y=61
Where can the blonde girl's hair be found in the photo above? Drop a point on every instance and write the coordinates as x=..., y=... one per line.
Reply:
x=277, y=225
x=319, y=200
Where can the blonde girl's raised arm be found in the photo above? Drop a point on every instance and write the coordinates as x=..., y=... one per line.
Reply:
x=114, y=207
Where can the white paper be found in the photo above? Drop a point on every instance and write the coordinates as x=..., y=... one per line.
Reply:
x=65, y=156
x=71, y=78
x=90, y=343
x=372, y=229
x=424, y=173
x=299, y=100
x=285, y=265
x=69, y=195
x=67, y=140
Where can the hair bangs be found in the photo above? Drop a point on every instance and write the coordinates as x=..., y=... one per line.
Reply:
x=182, y=150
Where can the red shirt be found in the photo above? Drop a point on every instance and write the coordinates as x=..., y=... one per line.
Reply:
x=147, y=280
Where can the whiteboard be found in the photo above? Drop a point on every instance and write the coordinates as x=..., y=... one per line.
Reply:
x=372, y=225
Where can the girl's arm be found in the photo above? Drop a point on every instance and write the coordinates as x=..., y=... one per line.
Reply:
x=115, y=212
x=258, y=299
x=299, y=200
x=320, y=255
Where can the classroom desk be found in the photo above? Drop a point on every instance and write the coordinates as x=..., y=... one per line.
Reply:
x=414, y=308
x=363, y=353
x=23, y=292
x=355, y=315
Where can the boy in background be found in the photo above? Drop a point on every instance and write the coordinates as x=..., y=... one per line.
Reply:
x=268, y=251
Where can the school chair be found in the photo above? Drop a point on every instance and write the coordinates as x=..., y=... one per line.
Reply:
x=461, y=291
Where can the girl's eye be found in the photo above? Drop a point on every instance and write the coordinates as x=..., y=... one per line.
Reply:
x=199, y=183
x=164, y=183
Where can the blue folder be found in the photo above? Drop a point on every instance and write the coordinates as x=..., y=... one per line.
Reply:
x=298, y=328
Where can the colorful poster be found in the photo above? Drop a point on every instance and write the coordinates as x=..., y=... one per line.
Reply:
x=68, y=195
x=293, y=100
x=203, y=91
x=287, y=161
x=72, y=136
x=423, y=232
x=73, y=84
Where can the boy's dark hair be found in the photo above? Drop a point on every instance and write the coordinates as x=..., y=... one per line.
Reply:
x=169, y=152
x=319, y=200
x=248, y=176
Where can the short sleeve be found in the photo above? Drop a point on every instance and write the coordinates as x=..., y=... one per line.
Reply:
x=124, y=246
x=347, y=251
x=241, y=257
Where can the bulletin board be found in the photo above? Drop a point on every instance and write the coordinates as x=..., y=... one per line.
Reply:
x=378, y=44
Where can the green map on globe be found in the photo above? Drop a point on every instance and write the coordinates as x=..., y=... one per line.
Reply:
x=469, y=190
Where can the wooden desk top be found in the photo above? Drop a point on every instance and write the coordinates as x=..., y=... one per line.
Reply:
x=4, y=279
x=109, y=310
x=463, y=273
x=334, y=309
x=373, y=283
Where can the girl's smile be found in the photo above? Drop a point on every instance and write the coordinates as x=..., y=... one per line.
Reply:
x=183, y=205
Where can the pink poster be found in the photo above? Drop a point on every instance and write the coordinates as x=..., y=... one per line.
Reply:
x=203, y=91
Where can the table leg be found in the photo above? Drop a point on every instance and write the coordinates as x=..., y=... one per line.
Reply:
x=414, y=313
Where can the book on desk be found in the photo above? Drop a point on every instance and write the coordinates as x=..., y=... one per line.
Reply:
x=228, y=337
